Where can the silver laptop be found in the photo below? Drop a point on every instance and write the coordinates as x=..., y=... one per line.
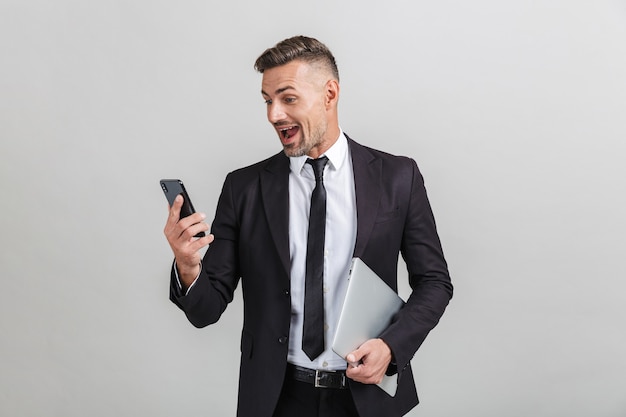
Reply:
x=368, y=308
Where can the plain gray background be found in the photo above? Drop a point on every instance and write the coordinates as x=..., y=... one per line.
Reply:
x=514, y=110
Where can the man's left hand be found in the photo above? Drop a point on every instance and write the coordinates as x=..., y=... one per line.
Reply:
x=369, y=362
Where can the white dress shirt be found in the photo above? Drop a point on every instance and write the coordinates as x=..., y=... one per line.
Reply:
x=340, y=238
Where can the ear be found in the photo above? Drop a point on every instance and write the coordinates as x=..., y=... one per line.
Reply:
x=332, y=93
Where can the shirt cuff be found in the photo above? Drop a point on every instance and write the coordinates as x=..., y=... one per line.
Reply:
x=180, y=286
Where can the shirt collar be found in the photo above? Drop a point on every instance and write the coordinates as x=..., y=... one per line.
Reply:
x=336, y=155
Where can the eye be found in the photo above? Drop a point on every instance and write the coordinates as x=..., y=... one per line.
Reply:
x=290, y=99
x=268, y=101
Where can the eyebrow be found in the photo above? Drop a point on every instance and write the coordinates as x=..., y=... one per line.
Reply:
x=279, y=91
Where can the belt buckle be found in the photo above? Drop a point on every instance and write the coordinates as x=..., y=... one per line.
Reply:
x=319, y=384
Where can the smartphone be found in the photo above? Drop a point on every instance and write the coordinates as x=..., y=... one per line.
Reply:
x=172, y=188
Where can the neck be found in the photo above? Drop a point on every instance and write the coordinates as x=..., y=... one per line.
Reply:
x=330, y=138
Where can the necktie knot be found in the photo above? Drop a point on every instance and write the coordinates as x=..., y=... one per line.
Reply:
x=318, y=167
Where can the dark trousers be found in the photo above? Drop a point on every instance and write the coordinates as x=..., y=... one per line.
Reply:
x=301, y=399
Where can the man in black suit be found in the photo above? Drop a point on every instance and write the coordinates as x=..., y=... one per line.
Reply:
x=375, y=208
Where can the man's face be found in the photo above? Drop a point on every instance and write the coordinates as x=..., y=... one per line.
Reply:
x=295, y=94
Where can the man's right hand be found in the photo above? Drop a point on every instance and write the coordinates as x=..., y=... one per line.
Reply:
x=180, y=235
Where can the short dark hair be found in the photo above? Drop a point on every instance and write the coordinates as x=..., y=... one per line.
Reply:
x=297, y=48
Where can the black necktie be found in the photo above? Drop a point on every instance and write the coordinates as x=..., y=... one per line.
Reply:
x=313, y=335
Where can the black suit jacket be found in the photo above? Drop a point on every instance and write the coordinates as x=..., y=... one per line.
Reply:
x=251, y=229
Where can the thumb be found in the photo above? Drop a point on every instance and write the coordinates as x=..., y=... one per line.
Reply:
x=355, y=356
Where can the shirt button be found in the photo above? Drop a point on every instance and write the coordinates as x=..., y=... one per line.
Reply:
x=325, y=327
x=325, y=364
x=282, y=340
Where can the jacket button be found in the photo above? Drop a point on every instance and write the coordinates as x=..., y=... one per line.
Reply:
x=282, y=340
x=286, y=292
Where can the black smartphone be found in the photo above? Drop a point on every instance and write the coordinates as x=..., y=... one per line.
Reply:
x=172, y=188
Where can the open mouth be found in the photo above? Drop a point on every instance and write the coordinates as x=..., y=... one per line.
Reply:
x=289, y=132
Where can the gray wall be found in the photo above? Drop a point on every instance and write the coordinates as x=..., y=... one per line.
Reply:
x=514, y=110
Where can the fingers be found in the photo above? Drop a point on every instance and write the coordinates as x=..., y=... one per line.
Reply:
x=188, y=226
x=174, y=213
x=180, y=234
x=369, y=362
x=354, y=358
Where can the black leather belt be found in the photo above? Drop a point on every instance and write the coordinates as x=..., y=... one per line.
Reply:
x=320, y=379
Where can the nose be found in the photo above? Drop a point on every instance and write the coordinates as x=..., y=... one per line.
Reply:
x=275, y=113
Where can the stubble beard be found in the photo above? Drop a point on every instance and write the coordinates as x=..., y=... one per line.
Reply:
x=306, y=144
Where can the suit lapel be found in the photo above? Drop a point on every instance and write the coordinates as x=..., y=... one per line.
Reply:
x=275, y=195
x=367, y=183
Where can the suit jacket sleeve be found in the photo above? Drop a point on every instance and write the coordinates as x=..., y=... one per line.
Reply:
x=428, y=276
x=210, y=295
